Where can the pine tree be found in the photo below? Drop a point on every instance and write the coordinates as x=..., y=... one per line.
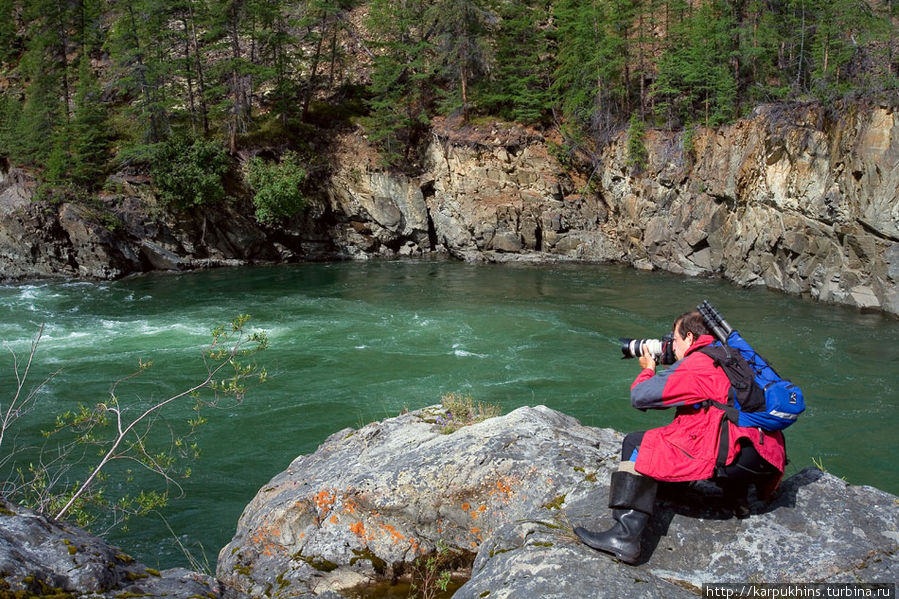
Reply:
x=228, y=94
x=842, y=27
x=141, y=64
x=763, y=77
x=79, y=156
x=43, y=109
x=277, y=66
x=88, y=138
x=321, y=23
x=191, y=67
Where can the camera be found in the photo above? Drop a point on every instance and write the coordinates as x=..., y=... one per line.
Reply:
x=662, y=350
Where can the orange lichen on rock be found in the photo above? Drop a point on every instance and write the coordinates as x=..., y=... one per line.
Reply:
x=324, y=501
x=503, y=490
x=263, y=538
x=358, y=529
x=394, y=533
x=349, y=505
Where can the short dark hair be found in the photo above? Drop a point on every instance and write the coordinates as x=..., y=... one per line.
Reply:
x=691, y=322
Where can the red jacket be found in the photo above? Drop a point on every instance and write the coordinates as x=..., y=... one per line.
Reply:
x=687, y=449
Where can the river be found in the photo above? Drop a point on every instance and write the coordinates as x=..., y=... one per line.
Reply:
x=355, y=342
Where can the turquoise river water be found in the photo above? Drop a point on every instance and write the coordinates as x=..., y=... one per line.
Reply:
x=357, y=342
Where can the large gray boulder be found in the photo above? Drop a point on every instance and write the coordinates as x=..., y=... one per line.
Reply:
x=370, y=501
x=505, y=494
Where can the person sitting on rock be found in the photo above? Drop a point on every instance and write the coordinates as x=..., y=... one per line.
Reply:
x=687, y=449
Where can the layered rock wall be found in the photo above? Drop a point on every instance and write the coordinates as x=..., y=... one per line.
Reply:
x=803, y=199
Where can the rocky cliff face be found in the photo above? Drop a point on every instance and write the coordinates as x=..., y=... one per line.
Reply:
x=507, y=492
x=488, y=193
x=803, y=199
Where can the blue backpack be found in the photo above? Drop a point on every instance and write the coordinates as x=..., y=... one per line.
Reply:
x=759, y=397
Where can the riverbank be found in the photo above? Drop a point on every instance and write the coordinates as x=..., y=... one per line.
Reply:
x=796, y=198
x=502, y=496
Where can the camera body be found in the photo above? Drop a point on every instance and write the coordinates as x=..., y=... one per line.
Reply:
x=662, y=350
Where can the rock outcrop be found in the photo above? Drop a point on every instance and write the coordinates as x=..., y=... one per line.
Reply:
x=803, y=200
x=506, y=492
x=498, y=499
x=127, y=233
x=487, y=194
x=42, y=557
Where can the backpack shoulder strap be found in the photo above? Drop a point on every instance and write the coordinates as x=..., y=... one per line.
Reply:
x=723, y=359
x=723, y=446
x=718, y=353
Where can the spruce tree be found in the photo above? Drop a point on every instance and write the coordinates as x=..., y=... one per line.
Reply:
x=460, y=30
x=141, y=65
x=277, y=65
x=321, y=24
x=518, y=85
x=191, y=66
x=763, y=76
x=88, y=137
x=401, y=89
x=696, y=81
x=590, y=79
x=843, y=28
x=43, y=109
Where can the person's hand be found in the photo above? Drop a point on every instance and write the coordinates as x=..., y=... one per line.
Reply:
x=646, y=360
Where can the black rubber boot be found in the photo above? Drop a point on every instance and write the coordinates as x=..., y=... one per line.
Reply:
x=631, y=497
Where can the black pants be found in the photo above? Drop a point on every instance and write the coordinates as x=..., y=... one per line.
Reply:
x=631, y=442
x=748, y=466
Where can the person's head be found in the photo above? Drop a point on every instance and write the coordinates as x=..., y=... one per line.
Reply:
x=687, y=329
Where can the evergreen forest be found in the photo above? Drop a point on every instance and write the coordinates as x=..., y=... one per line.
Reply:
x=178, y=87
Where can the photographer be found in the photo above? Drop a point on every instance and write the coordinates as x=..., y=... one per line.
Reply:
x=688, y=448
